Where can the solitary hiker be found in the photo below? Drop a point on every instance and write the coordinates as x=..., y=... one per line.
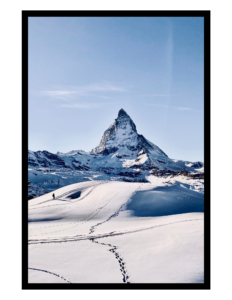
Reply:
x=53, y=195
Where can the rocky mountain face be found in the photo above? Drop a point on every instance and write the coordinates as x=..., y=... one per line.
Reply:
x=123, y=134
x=44, y=159
x=122, y=154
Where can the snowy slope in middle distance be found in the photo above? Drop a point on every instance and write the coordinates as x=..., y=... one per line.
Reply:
x=113, y=245
x=127, y=160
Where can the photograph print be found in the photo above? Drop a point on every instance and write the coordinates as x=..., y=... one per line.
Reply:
x=116, y=115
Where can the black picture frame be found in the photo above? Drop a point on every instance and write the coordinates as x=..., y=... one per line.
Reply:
x=103, y=286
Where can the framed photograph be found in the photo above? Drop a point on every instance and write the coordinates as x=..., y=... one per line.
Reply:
x=116, y=149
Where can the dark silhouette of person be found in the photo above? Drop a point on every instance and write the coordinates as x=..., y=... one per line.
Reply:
x=53, y=195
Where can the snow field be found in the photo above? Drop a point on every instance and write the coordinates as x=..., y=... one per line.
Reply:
x=96, y=239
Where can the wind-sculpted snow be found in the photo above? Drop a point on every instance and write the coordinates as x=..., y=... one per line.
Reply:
x=166, y=200
x=95, y=238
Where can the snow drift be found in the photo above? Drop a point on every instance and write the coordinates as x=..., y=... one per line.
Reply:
x=103, y=236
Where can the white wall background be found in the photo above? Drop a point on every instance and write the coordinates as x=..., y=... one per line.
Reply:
x=10, y=118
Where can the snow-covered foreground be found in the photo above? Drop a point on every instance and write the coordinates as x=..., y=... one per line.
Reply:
x=115, y=232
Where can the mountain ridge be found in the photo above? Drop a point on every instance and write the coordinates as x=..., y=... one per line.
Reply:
x=122, y=154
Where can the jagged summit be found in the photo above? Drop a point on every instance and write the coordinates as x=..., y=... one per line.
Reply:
x=124, y=118
x=122, y=113
x=123, y=134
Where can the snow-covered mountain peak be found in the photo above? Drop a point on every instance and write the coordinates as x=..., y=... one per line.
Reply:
x=122, y=155
x=71, y=153
x=123, y=134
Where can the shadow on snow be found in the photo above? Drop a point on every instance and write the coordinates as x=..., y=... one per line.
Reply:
x=164, y=201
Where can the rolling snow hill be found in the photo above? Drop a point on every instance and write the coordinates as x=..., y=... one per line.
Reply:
x=117, y=232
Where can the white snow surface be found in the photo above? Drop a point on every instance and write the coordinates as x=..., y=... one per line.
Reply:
x=106, y=231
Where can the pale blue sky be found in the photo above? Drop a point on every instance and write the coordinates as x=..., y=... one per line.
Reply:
x=83, y=70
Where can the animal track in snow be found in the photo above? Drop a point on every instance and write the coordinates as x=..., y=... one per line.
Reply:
x=86, y=237
x=57, y=275
x=122, y=265
x=92, y=228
